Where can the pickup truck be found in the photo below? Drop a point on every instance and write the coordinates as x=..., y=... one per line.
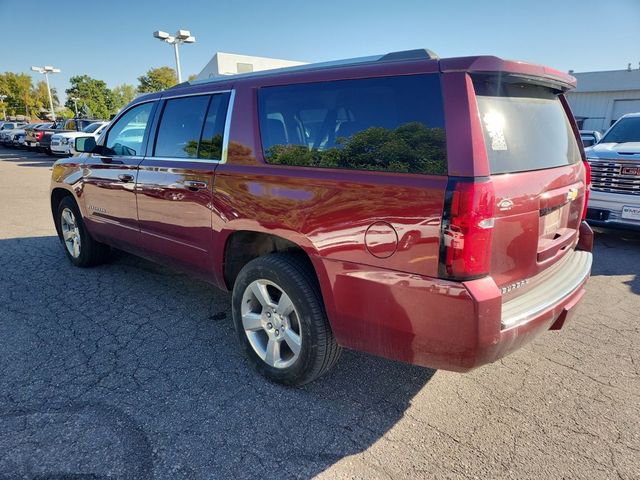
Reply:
x=69, y=125
x=615, y=176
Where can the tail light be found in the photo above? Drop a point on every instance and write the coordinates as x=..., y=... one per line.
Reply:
x=467, y=229
x=587, y=188
x=39, y=135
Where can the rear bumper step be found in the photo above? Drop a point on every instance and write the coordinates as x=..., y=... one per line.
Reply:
x=553, y=285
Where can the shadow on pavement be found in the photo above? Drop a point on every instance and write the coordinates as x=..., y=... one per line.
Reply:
x=130, y=370
x=25, y=158
x=617, y=252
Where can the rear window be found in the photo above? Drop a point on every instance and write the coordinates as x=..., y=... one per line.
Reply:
x=391, y=124
x=525, y=125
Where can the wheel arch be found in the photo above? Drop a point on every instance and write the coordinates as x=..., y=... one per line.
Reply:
x=242, y=246
x=57, y=195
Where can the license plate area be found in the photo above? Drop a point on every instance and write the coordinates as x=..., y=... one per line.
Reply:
x=630, y=212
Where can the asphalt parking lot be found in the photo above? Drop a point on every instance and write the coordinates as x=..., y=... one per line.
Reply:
x=131, y=371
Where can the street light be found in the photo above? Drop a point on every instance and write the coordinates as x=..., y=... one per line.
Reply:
x=181, y=36
x=46, y=70
x=75, y=104
x=4, y=111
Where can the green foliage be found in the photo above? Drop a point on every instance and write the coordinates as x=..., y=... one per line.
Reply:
x=157, y=79
x=410, y=148
x=208, y=148
x=93, y=96
x=122, y=95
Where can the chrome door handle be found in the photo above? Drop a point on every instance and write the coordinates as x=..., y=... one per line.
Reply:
x=195, y=185
x=126, y=178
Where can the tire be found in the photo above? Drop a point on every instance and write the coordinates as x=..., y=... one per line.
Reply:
x=259, y=328
x=89, y=252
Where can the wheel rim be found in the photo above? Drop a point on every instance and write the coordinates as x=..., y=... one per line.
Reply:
x=70, y=232
x=271, y=323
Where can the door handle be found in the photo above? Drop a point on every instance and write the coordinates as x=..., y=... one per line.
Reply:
x=125, y=177
x=195, y=185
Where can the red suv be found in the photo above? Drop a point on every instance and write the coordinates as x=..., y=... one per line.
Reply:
x=422, y=209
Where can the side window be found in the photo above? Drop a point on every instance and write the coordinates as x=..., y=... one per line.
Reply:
x=393, y=124
x=192, y=127
x=126, y=135
x=213, y=131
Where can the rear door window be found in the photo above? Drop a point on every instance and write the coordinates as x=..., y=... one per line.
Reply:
x=391, y=124
x=192, y=127
x=525, y=125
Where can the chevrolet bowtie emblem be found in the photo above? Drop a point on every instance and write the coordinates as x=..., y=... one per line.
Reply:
x=572, y=194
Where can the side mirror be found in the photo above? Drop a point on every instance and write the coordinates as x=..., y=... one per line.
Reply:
x=85, y=144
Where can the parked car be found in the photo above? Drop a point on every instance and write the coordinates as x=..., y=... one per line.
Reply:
x=328, y=199
x=17, y=135
x=590, y=137
x=62, y=143
x=34, y=135
x=615, y=173
x=7, y=129
x=62, y=126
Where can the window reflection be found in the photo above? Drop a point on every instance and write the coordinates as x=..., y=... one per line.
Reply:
x=389, y=124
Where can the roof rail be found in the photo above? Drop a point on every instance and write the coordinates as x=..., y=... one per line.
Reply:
x=417, y=54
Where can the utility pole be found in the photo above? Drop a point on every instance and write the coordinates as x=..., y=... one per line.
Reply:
x=181, y=36
x=75, y=104
x=46, y=70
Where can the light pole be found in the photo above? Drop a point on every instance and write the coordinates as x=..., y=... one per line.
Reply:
x=181, y=36
x=46, y=70
x=75, y=104
x=4, y=111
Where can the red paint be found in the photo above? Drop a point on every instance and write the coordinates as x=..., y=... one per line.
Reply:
x=374, y=238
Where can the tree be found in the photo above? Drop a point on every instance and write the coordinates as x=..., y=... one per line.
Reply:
x=157, y=79
x=94, y=97
x=17, y=87
x=122, y=95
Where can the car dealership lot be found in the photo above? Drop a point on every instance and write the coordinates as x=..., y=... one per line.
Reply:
x=131, y=370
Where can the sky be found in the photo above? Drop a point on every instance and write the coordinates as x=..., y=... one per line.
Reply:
x=112, y=39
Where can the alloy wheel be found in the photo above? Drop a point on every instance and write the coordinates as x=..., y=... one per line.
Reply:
x=271, y=323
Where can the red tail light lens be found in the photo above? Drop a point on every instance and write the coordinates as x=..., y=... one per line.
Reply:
x=467, y=229
x=39, y=135
x=587, y=188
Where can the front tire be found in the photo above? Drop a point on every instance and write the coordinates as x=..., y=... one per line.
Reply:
x=280, y=320
x=80, y=248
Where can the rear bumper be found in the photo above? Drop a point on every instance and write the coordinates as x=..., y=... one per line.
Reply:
x=441, y=324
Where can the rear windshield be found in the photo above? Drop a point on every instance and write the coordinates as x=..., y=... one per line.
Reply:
x=525, y=125
x=626, y=130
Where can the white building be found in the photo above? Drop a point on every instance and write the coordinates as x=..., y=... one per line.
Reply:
x=231, y=64
x=603, y=97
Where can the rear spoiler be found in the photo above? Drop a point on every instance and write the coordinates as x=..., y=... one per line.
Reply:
x=489, y=64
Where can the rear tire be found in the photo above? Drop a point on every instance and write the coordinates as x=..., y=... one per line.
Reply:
x=82, y=250
x=280, y=320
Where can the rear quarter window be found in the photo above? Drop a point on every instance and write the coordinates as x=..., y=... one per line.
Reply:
x=392, y=124
x=525, y=125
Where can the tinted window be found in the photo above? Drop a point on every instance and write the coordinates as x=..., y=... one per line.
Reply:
x=626, y=130
x=91, y=128
x=213, y=131
x=525, y=125
x=387, y=124
x=126, y=135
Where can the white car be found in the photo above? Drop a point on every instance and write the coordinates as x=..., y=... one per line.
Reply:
x=63, y=143
x=7, y=129
x=615, y=176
